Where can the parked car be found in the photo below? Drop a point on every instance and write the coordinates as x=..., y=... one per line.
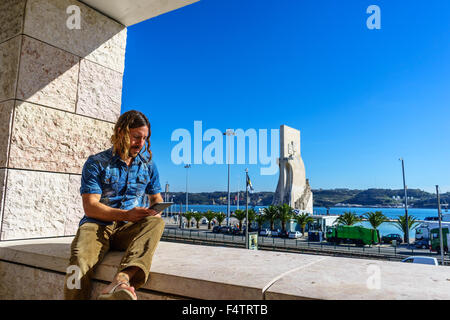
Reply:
x=251, y=229
x=421, y=244
x=275, y=233
x=235, y=230
x=216, y=229
x=392, y=236
x=204, y=221
x=265, y=232
x=229, y=230
x=283, y=234
x=225, y=229
x=294, y=235
x=422, y=260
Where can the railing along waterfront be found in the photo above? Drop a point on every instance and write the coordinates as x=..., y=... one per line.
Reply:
x=382, y=252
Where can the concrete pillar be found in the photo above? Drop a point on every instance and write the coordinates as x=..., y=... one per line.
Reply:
x=60, y=94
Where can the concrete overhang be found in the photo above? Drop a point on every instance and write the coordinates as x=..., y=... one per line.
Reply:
x=129, y=12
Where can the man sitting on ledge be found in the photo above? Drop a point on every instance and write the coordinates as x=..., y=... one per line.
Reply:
x=114, y=188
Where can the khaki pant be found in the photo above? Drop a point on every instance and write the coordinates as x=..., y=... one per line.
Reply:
x=92, y=241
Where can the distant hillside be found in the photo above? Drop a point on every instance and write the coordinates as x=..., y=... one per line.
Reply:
x=329, y=198
x=325, y=198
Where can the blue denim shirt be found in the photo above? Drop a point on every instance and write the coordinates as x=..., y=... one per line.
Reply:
x=120, y=186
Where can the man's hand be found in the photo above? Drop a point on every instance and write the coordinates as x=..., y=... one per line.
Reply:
x=139, y=213
x=154, y=213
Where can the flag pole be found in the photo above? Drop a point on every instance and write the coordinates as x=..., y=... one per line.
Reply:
x=246, y=208
x=441, y=240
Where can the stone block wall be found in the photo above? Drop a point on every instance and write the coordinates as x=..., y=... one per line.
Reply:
x=60, y=95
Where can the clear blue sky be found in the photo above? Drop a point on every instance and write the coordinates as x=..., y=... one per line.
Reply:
x=361, y=98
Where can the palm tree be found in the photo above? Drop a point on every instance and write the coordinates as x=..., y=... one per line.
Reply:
x=260, y=219
x=188, y=215
x=302, y=220
x=240, y=215
x=220, y=216
x=375, y=219
x=348, y=219
x=284, y=213
x=209, y=215
x=400, y=223
x=198, y=216
x=270, y=214
x=251, y=217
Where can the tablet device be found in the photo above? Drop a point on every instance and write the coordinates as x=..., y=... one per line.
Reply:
x=160, y=207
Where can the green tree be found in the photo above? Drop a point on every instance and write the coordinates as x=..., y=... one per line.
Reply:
x=260, y=219
x=188, y=215
x=284, y=214
x=270, y=213
x=348, y=219
x=303, y=219
x=400, y=223
x=240, y=215
x=220, y=216
x=198, y=216
x=251, y=217
x=209, y=215
x=375, y=219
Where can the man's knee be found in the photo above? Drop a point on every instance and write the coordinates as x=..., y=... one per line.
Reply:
x=156, y=223
x=82, y=263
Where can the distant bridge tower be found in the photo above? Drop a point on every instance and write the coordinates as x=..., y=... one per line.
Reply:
x=293, y=188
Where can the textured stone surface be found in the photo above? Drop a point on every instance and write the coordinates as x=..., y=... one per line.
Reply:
x=97, y=288
x=130, y=12
x=35, y=204
x=24, y=283
x=47, y=75
x=2, y=190
x=111, y=54
x=74, y=207
x=11, y=17
x=53, y=140
x=9, y=66
x=335, y=278
x=99, y=38
x=199, y=272
x=6, y=113
x=20, y=282
x=99, y=92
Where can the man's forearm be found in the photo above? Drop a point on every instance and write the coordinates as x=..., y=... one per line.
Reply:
x=93, y=208
x=103, y=212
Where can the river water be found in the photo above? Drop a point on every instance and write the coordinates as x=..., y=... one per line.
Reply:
x=385, y=228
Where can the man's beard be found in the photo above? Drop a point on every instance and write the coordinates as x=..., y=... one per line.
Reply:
x=133, y=153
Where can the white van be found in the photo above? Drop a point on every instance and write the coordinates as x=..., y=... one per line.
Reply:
x=422, y=260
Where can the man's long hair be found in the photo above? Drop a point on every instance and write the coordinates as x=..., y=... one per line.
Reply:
x=121, y=138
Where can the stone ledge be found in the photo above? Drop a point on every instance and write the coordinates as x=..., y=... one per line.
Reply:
x=202, y=272
x=130, y=12
x=29, y=283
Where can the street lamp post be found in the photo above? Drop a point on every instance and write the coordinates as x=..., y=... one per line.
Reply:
x=166, y=197
x=441, y=240
x=246, y=210
x=406, y=203
x=228, y=133
x=171, y=207
x=187, y=167
x=237, y=204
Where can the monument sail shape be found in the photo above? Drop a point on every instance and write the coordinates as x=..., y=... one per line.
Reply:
x=293, y=188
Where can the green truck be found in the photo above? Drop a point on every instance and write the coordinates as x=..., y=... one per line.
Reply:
x=353, y=234
x=435, y=240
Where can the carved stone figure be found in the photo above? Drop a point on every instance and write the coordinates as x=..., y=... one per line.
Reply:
x=293, y=188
